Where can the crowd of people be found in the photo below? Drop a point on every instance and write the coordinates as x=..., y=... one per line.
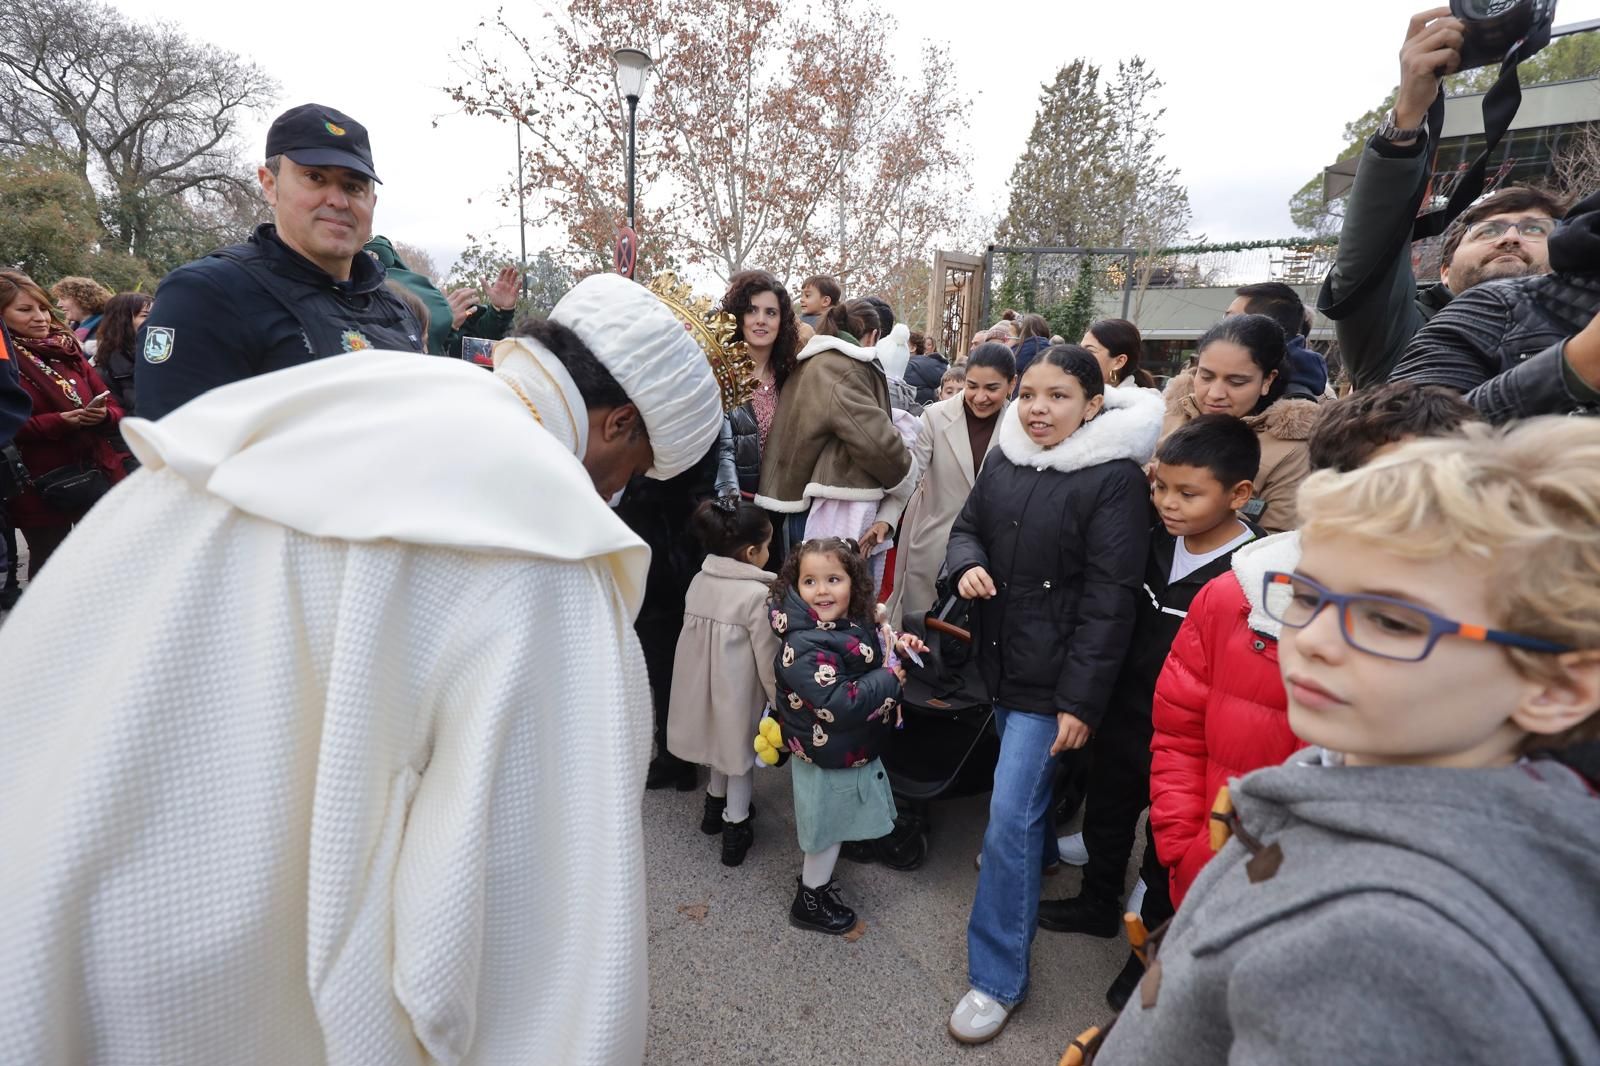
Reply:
x=374, y=735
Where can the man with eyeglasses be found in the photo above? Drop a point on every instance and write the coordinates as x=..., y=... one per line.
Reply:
x=1371, y=294
x=1522, y=346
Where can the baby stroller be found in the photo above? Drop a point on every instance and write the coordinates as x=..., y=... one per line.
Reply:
x=948, y=747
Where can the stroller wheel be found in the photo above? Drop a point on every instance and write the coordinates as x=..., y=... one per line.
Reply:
x=862, y=851
x=906, y=848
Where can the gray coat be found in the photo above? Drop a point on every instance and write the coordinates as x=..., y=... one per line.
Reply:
x=1418, y=916
x=1371, y=293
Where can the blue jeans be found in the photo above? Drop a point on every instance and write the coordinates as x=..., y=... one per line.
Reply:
x=1018, y=844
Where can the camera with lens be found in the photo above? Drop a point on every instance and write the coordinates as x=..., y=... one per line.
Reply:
x=1496, y=27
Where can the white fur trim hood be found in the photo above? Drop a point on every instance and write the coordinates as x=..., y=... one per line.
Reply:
x=1281, y=551
x=819, y=343
x=1127, y=427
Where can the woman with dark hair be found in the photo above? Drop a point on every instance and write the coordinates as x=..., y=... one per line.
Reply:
x=66, y=443
x=833, y=452
x=119, y=326
x=957, y=436
x=1035, y=338
x=1242, y=370
x=770, y=331
x=1115, y=344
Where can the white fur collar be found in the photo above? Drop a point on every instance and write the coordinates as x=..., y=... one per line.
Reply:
x=1126, y=428
x=1250, y=565
x=819, y=343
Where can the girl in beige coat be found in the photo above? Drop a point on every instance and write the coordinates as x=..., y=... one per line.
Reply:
x=722, y=674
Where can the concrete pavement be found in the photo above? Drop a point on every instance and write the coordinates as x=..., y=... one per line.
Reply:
x=731, y=982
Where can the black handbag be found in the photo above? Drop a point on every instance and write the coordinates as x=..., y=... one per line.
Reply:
x=72, y=489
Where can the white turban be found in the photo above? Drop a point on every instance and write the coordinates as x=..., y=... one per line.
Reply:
x=656, y=361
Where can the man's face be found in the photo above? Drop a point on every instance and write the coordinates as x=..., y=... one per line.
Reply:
x=619, y=449
x=324, y=213
x=1509, y=245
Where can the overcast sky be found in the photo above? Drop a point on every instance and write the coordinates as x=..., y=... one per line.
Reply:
x=1257, y=91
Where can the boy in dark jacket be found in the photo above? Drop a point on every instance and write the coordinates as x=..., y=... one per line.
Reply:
x=1418, y=886
x=1200, y=481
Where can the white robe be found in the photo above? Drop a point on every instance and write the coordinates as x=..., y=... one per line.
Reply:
x=323, y=740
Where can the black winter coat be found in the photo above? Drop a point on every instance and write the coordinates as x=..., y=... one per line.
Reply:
x=836, y=698
x=1063, y=533
x=924, y=373
x=1163, y=605
x=746, y=447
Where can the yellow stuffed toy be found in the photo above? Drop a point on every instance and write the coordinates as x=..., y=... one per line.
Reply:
x=769, y=741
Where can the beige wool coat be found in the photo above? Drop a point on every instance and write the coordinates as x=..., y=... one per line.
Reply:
x=722, y=673
x=942, y=458
x=1283, y=430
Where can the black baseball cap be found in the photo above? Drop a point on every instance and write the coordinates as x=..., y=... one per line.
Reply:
x=317, y=136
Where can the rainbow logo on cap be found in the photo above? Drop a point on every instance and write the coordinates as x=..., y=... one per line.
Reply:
x=337, y=131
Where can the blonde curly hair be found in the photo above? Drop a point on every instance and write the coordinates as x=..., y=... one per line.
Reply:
x=1524, y=498
x=88, y=293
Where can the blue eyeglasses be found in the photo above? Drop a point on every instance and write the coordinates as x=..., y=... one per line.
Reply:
x=1380, y=625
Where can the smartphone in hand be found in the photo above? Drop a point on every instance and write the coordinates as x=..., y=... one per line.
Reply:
x=100, y=400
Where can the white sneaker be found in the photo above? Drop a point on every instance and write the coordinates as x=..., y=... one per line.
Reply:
x=978, y=1018
x=1136, y=897
x=1072, y=849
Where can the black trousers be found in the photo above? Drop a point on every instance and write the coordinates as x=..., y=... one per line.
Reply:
x=1118, y=790
x=658, y=640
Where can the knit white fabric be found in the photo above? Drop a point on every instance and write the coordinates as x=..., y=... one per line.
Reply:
x=275, y=798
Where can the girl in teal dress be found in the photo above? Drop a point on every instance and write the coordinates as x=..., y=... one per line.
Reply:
x=838, y=688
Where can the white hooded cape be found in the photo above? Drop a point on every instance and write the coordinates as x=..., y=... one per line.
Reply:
x=323, y=738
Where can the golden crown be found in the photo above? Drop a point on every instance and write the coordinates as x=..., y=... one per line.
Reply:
x=714, y=331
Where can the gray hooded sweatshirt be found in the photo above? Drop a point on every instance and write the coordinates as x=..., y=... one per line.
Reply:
x=1416, y=916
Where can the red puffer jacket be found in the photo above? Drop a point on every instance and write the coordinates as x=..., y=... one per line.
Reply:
x=1220, y=709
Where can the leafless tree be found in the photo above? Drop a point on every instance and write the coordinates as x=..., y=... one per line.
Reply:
x=146, y=116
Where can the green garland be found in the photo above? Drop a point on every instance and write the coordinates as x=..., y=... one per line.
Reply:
x=1253, y=246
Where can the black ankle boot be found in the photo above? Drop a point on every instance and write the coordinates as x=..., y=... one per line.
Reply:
x=736, y=840
x=1121, y=989
x=820, y=910
x=669, y=771
x=1081, y=914
x=711, y=820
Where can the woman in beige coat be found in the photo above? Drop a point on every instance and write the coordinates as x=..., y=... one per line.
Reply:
x=722, y=674
x=956, y=435
x=1243, y=370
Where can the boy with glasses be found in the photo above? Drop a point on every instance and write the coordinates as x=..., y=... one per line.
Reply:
x=1418, y=886
x=1220, y=710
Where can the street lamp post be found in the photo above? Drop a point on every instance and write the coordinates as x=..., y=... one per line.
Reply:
x=522, y=218
x=633, y=66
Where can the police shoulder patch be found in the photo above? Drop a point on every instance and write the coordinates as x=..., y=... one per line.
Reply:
x=158, y=342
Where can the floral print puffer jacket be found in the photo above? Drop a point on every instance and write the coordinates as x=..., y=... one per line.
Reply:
x=837, y=698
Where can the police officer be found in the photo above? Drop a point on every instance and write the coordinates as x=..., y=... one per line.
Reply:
x=299, y=289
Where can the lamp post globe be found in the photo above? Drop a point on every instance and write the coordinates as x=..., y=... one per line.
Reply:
x=633, y=67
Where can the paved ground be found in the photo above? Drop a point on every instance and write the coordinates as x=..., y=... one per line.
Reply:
x=731, y=982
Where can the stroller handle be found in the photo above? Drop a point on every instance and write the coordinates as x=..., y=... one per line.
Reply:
x=938, y=625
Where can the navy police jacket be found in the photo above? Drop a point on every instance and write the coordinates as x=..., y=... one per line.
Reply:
x=254, y=308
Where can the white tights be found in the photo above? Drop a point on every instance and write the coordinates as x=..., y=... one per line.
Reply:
x=737, y=790
x=818, y=868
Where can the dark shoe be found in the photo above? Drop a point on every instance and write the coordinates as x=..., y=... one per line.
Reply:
x=670, y=771
x=820, y=910
x=9, y=595
x=1081, y=915
x=736, y=840
x=711, y=820
x=1121, y=989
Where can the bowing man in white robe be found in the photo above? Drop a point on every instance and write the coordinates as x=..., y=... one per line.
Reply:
x=322, y=739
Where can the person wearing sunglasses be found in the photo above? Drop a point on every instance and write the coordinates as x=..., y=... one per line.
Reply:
x=1419, y=884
